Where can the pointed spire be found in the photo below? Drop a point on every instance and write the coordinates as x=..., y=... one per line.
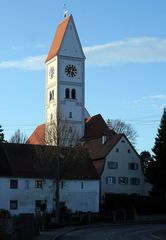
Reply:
x=58, y=38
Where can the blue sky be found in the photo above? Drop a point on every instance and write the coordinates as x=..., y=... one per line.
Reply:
x=125, y=46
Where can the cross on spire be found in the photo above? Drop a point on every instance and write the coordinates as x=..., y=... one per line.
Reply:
x=65, y=13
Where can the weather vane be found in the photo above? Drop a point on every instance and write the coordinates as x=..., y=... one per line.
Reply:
x=65, y=11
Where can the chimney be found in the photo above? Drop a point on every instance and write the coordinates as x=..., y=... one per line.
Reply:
x=103, y=139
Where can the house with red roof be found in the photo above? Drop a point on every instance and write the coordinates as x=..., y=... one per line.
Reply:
x=115, y=159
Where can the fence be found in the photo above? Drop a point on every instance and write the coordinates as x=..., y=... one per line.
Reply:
x=20, y=227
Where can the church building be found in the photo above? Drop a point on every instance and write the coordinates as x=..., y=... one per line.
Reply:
x=65, y=79
x=113, y=156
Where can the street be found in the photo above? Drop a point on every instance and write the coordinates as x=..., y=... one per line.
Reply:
x=119, y=232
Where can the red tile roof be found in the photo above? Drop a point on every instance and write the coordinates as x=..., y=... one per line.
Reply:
x=38, y=136
x=98, y=150
x=95, y=127
x=58, y=38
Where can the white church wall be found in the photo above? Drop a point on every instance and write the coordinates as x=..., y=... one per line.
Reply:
x=78, y=63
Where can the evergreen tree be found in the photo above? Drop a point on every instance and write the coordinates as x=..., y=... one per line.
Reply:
x=146, y=160
x=2, y=140
x=159, y=166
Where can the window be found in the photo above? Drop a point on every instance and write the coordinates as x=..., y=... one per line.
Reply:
x=13, y=183
x=51, y=95
x=39, y=184
x=133, y=166
x=123, y=180
x=135, y=181
x=13, y=204
x=117, y=149
x=67, y=94
x=82, y=185
x=70, y=114
x=112, y=165
x=62, y=184
x=73, y=94
x=110, y=180
x=38, y=204
x=128, y=151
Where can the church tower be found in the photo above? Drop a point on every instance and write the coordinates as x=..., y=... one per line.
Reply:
x=65, y=80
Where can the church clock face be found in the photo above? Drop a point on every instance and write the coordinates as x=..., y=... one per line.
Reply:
x=70, y=70
x=51, y=72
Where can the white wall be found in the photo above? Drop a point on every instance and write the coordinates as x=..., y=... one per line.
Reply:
x=26, y=194
x=82, y=195
x=123, y=157
x=75, y=197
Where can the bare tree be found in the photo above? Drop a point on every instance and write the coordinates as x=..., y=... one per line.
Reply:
x=120, y=126
x=61, y=134
x=18, y=137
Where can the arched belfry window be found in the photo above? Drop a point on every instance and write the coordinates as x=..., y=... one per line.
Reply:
x=67, y=94
x=51, y=95
x=73, y=94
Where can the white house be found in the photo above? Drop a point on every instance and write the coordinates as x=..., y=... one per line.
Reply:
x=115, y=159
x=28, y=178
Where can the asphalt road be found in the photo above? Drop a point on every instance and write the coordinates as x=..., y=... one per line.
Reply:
x=125, y=232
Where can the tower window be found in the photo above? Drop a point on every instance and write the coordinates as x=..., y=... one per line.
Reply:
x=67, y=94
x=51, y=96
x=70, y=114
x=73, y=94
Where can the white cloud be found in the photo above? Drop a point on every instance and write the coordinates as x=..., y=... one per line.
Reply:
x=155, y=97
x=29, y=63
x=132, y=50
x=157, y=101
